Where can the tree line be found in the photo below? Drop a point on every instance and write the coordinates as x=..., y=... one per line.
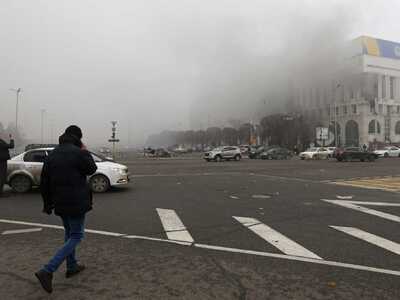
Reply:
x=278, y=129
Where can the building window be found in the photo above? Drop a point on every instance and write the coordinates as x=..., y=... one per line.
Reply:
x=328, y=111
x=337, y=110
x=372, y=107
x=354, y=108
x=383, y=86
x=389, y=109
x=380, y=107
x=345, y=110
x=398, y=109
x=397, y=128
x=391, y=86
x=374, y=127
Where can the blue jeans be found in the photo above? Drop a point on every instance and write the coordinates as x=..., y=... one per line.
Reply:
x=74, y=230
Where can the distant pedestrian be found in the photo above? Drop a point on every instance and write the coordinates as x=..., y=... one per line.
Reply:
x=365, y=148
x=65, y=190
x=4, y=156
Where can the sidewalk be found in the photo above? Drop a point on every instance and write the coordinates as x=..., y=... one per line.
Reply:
x=119, y=268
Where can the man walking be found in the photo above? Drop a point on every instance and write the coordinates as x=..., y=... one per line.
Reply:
x=65, y=190
x=4, y=156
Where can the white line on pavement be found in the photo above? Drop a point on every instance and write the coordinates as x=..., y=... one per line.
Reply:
x=302, y=259
x=21, y=231
x=275, y=238
x=227, y=249
x=370, y=238
x=354, y=205
x=173, y=226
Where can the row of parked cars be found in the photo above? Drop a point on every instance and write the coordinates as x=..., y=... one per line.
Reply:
x=236, y=153
x=349, y=153
x=276, y=152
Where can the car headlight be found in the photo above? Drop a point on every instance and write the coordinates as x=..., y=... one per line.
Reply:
x=120, y=171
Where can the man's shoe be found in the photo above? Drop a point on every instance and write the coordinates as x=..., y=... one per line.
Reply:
x=46, y=280
x=76, y=270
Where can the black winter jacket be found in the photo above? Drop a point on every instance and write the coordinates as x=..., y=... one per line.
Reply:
x=4, y=154
x=63, y=184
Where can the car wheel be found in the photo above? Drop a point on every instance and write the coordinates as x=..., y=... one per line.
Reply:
x=99, y=184
x=314, y=156
x=237, y=157
x=386, y=155
x=302, y=158
x=21, y=184
x=339, y=158
x=371, y=158
x=218, y=158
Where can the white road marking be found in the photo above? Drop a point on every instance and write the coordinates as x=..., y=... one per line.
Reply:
x=355, y=205
x=226, y=249
x=302, y=259
x=173, y=226
x=261, y=196
x=275, y=238
x=370, y=238
x=107, y=233
x=21, y=231
x=141, y=237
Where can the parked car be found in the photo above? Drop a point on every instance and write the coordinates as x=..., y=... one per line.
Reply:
x=226, y=153
x=390, y=151
x=244, y=149
x=161, y=152
x=354, y=153
x=276, y=153
x=315, y=153
x=331, y=151
x=255, y=152
x=24, y=171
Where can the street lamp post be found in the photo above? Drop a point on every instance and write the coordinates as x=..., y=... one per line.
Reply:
x=42, y=112
x=17, y=92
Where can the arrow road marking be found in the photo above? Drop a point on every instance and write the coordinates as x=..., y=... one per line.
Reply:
x=21, y=231
x=173, y=226
x=275, y=238
x=356, y=206
x=370, y=238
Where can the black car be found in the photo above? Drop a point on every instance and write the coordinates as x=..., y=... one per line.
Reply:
x=276, y=153
x=354, y=153
x=255, y=152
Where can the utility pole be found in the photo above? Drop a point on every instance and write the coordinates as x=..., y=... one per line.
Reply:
x=17, y=92
x=42, y=112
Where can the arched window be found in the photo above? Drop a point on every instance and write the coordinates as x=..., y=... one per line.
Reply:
x=374, y=127
x=371, y=127
x=397, y=128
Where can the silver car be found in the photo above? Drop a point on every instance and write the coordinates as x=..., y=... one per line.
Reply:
x=226, y=152
x=24, y=171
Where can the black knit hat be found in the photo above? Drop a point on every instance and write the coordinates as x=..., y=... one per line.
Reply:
x=74, y=130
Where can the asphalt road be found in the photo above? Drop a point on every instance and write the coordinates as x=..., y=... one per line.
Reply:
x=232, y=230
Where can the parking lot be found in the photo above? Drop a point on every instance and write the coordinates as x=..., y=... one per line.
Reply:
x=254, y=229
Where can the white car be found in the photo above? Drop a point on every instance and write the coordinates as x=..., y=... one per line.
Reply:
x=390, y=151
x=226, y=152
x=315, y=153
x=24, y=171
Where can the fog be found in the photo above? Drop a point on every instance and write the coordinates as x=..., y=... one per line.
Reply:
x=155, y=65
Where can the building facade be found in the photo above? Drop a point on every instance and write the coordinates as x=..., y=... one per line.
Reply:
x=359, y=101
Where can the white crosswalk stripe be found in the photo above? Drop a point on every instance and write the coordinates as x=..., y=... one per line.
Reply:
x=370, y=238
x=173, y=226
x=275, y=238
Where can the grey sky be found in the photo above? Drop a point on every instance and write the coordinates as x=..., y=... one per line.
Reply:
x=148, y=64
